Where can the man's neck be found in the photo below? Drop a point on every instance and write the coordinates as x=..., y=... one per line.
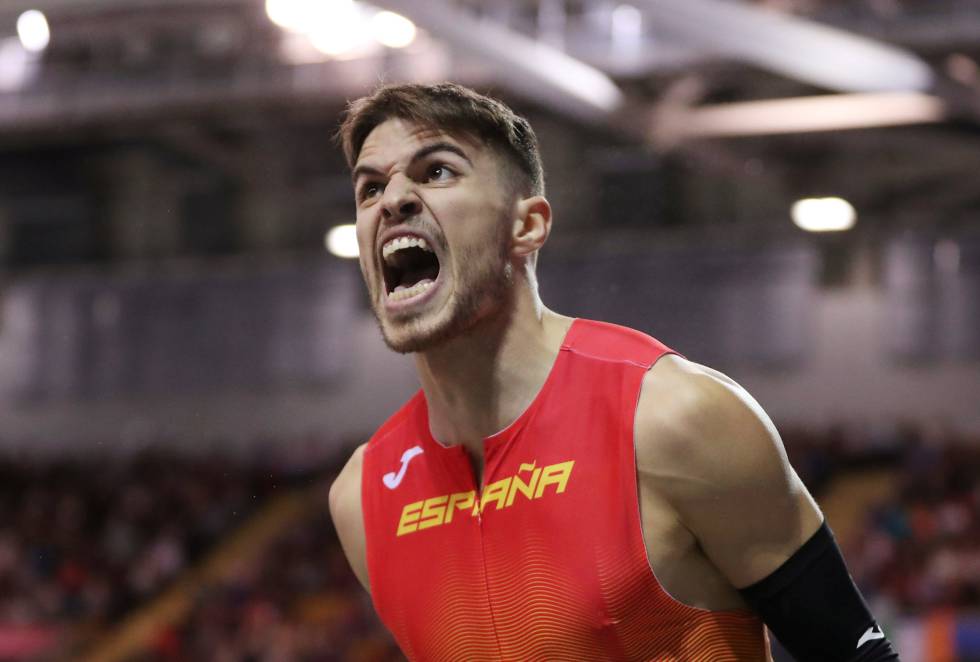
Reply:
x=479, y=383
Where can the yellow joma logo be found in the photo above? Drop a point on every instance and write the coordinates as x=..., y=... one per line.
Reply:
x=440, y=510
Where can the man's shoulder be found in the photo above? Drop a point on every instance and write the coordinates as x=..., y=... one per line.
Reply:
x=679, y=396
x=345, y=492
x=706, y=448
x=692, y=420
x=612, y=342
x=345, y=510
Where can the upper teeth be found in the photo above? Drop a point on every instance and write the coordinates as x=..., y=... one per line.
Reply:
x=400, y=243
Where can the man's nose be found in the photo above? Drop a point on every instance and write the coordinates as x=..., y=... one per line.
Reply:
x=400, y=201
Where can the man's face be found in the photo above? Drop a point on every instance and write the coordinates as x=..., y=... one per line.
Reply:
x=434, y=216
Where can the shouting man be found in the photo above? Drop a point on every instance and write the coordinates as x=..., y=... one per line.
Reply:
x=559, y=489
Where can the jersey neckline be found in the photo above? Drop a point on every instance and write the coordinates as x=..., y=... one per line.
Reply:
x=421, y=406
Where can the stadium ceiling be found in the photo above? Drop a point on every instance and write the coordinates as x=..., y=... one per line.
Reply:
x=650, y=68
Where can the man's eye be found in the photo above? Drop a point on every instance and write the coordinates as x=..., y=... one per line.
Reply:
x=438, y=173
x=369, y=190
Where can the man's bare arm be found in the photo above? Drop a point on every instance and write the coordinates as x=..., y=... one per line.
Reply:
x=345, y=508
x=710, y=450
x=719, y=462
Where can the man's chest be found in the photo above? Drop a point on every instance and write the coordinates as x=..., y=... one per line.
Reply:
x=530, y=562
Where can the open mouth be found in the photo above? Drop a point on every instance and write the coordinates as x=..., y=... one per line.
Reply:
x=410, y=267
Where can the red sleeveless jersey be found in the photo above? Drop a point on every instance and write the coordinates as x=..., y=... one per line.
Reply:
x=547, y=561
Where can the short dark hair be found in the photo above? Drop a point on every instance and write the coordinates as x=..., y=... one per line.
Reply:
x=448, y=107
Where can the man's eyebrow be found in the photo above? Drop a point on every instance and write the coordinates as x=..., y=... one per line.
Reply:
x=362, y=170
x=441, y=146
x=420, y=153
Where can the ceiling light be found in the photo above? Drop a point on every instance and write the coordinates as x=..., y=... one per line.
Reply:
x=341, y=240
x=306, y=16
x=33, y=30
x=824, y=214
x=289, y=14
x=345, y=34
x=829, y=112
x=627, y=25
x=393, y=30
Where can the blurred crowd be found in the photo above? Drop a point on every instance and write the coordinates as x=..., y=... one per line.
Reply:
x=297, y=600
x=85, y=543
x=920, y=550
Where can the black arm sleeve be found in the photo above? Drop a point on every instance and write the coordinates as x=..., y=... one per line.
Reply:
x=813, y=607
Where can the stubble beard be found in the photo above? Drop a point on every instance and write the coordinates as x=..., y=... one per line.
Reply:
x=488, y=285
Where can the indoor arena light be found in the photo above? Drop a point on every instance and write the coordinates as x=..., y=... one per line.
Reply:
x=824, y=214
x=307, y=16
x=288, y=14
x=627, y=27
x=345, y=35
x=341, y=240
x=826, y=112
x=33, y=30
x=392, y=30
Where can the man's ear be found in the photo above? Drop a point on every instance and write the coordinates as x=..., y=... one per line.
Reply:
x=532, y=225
